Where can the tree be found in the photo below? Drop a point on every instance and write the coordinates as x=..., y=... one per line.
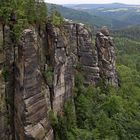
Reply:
x=55, y=17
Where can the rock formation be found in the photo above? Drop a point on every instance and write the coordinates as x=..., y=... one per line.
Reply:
x=5, y=81
x=70, y=46
x=106, y=57
x=3, y=110
x=31, y=121
x=42, y=68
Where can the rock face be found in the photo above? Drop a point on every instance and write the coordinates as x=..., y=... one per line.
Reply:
x=31, y=120
x=70, y=46
x=42, y=78
x=106, y=57
x=87, y=55
x=5, y=131
x=3, y=109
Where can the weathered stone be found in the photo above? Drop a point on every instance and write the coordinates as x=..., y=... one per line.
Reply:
x=87, y=55
x=106, y=57
x=3, y=109
x=30, y=103
x=72, y=45
x=105, y=31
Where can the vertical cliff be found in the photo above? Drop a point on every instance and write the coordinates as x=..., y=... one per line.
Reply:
x=3, y=109
x=69, y=47
x=6, y=85
x=42, y=69
x=106, y=57
x=31, y=108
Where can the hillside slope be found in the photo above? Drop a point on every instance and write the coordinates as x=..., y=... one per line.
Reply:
x=80, y=16
x=118, y=15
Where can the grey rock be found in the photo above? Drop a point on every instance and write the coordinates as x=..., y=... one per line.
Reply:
x=30, y=104
x=106, y=57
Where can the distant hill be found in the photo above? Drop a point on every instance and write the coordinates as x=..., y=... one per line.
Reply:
x=96, y=6
x=81, y=16
x=115, y=16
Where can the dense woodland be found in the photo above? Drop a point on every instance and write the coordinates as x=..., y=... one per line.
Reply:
x=96, y=113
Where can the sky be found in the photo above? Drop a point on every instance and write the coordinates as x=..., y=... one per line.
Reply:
x=92, y=1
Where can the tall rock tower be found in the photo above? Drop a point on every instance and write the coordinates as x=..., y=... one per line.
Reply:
x=106, y=57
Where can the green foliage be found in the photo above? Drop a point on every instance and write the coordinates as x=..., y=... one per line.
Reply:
x=55, y=18
x=83, y=134
x=131, y=32
x=79, y=81
x=69, y=113
x=38, y=13
x=53, y=118
x=30, y=11
x=19, y=14
x=5, y=73
x=5, y=10
x=64, y=123
x=41, y=12
x=18, y=28
x=48, y=74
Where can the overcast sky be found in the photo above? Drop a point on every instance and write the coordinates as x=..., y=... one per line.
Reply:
x=92, y=1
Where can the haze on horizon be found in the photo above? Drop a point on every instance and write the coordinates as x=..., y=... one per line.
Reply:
x=93, y=1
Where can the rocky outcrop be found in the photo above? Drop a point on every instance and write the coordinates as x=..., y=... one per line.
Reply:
x=5, y=102
x=60, y=61
x=42, y=69
x=70, y=46
x=31, y=108
x=87, y=55
x=106, y=57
